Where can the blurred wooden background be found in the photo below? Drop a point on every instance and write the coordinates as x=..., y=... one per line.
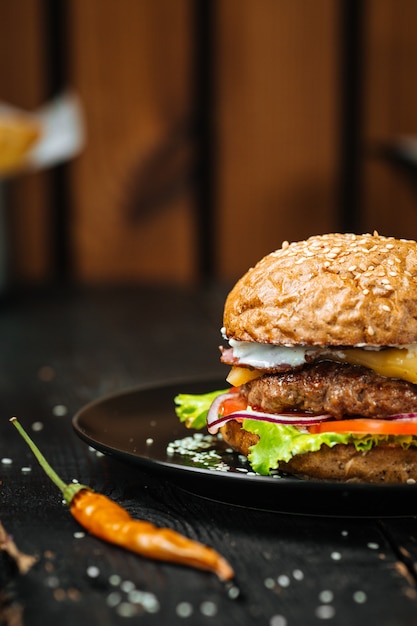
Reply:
x=216, y=129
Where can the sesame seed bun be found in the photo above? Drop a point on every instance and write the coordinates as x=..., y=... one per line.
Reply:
x=335, y=290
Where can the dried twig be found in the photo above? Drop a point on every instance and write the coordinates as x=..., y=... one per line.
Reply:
x=23, y=561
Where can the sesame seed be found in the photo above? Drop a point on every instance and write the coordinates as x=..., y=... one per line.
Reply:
x=385, y=307
x=298, y=574
x=233, y=592
x=371, y=331
x=52, y=582
x=365, y=292
x=352, y=268
x=93, y=571
x=113, y=599
x=184, y=609
x=326, y=596
x=325, y=611
x=59, y=410
x=6, y=461
x=278, y=620
x=125, y=609
x=360, y=597
x=208, y=608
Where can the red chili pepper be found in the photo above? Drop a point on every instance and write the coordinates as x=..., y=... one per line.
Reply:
x=105, y=519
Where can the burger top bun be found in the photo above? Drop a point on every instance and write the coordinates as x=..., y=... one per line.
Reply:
x=334, y=289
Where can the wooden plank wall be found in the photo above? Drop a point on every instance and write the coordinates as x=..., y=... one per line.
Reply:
x=276, y=124
x=23, y=83
x=390, y=111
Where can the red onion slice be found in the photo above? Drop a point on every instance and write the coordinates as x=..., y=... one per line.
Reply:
x=398, y=417
x=214, y=422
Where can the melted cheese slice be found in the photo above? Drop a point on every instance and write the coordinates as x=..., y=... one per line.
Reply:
x=390, y=362
x=241, y=375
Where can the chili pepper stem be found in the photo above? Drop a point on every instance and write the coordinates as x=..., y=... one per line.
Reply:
x=67, y=490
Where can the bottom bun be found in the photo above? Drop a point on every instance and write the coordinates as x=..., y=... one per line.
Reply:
x=386, y=463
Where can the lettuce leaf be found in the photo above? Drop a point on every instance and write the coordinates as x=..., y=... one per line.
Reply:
x=192, y=409
x=279, y=442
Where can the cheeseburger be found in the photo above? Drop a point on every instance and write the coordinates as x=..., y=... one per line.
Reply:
x=322, y=348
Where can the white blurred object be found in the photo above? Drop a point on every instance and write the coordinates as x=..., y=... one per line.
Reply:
x=33, y=141
x=61, y=133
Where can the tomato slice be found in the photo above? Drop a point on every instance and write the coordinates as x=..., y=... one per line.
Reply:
x=364, y=426
x=233, y=403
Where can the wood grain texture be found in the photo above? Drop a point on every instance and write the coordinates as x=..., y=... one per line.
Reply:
x=277, y=119
x=390, y=105
x=23, y=84
x=130, y=63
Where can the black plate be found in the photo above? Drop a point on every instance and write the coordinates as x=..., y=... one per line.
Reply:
x=140, y=426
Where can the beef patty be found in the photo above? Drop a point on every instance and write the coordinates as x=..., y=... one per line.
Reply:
x=336, y=388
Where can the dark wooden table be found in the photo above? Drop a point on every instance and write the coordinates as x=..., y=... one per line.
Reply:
x=62, y=350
